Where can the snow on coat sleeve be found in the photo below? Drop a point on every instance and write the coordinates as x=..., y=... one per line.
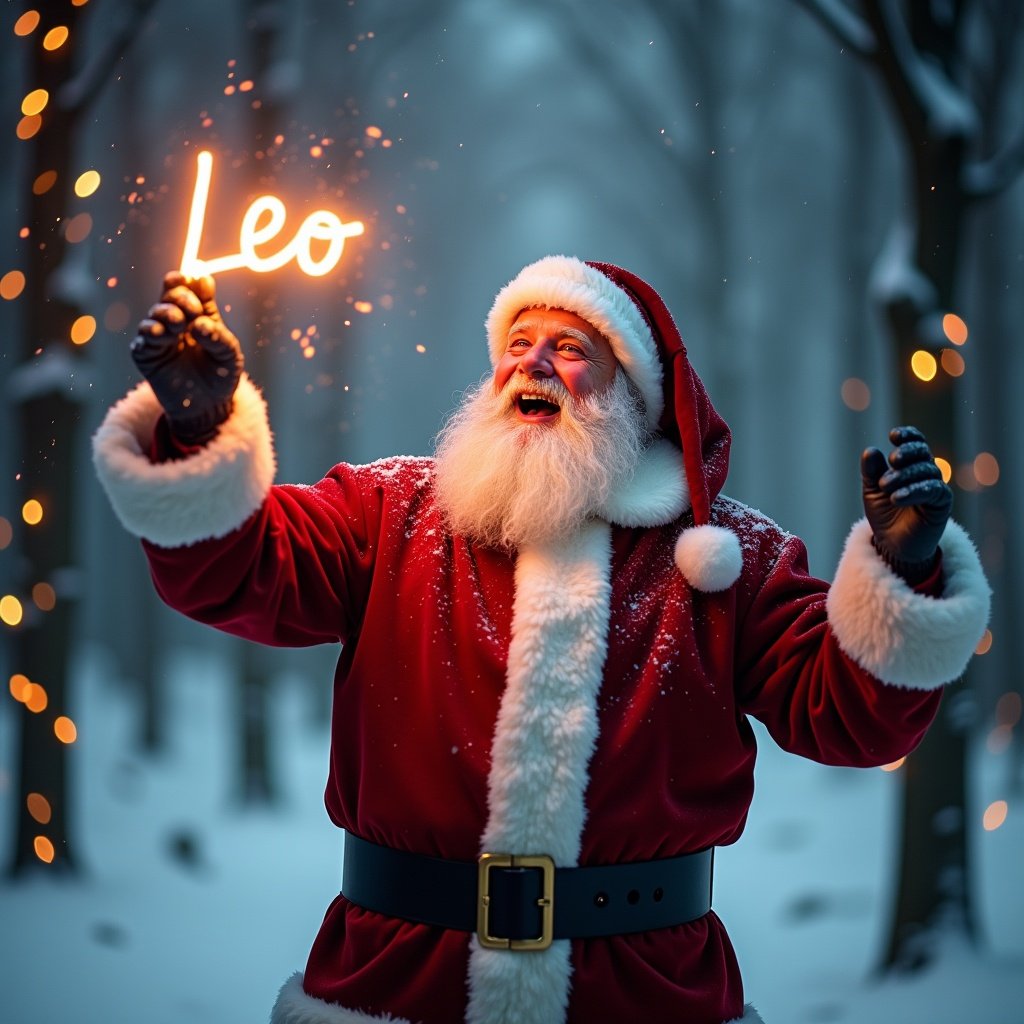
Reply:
x=794, y=676
x=282, y=565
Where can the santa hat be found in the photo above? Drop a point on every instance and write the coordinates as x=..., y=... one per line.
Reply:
x=647, y=344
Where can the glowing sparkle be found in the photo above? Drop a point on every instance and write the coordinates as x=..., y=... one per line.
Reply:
x=39, y=808
x=362, y=306
x=28, y=126
x=27, y=23
x=35, y=102
x=44, y=849
x=35, y=698
x=944, y=468
x=65, y=730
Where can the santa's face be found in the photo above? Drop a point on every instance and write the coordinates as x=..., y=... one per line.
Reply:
x=553, y=345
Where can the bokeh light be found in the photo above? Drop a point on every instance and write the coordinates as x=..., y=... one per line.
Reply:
x=923, y=364
x=87, y=183
x=12, y=284
x=954, y=328
x=83, y=329
x=32, y=512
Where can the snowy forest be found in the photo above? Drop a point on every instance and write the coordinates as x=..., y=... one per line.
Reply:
x=829, y=194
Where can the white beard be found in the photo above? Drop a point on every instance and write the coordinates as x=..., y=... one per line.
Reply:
x=505, y=483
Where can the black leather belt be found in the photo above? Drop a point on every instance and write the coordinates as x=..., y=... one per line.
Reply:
x=515, y=902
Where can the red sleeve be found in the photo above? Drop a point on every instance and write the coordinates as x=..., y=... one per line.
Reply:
x=814, y=700
x=296, y=573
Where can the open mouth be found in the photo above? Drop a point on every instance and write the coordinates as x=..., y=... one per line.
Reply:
x=535, y=407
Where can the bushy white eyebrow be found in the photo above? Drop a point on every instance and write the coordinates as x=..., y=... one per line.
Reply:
x=563, y=332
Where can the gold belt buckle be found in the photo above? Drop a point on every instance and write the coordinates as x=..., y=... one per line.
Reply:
x=546, y=903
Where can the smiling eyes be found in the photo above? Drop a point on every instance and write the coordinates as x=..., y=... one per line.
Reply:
x=563, y=346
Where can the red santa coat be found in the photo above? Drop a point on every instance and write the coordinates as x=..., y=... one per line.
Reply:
x=578, y=700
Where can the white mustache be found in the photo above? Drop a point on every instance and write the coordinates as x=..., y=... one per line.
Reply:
x=548, y=388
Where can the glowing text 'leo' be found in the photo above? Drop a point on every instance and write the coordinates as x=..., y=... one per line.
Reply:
x=319, y=226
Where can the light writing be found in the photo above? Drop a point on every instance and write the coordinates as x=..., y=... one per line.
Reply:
x=261, y=224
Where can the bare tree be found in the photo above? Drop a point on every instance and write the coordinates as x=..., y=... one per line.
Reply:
x=48, y=390
x=943, y=87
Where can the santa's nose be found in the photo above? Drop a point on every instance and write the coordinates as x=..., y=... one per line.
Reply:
x=536, y=362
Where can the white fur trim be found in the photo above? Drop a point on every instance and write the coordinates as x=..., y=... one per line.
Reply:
x=709, y=557
x=208, y=494
x=750, y=1016
x=657, y=492
x=564, y=282
x=294, y=1006
x=902, y=637
x=544, y=739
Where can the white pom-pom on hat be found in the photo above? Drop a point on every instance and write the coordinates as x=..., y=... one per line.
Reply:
x=709, y=557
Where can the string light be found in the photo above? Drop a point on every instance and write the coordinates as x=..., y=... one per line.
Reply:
x=56, y=38
x=83, y=329
x=995, y=815
x=27, y=23
x=19, y=685
x=954, y=328
x=924, y=365
x=36, y=699
x=65, y=730
x=87, y=183
x=28, y=126
x=12, y=284
x=44, y=849
x=35, y=102
x=10, y=610
x=39, y=808
x=32, y=512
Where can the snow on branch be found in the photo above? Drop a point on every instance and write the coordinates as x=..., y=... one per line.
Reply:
x=82, y=89
x=945, y=108
x=988, y=178
x=848, y=27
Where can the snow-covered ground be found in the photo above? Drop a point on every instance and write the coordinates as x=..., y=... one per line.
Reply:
x=194, y=912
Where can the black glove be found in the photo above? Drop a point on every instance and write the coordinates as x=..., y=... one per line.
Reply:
x=906, y=502
x=190, y=358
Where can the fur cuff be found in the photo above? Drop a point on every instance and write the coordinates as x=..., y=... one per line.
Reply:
x=293, y=1006
x=750, y=1016
x=902, y=637
x=205, y=495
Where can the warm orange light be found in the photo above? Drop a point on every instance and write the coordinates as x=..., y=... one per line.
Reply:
x=44, y=182
x=261, y=224
x=44, y=849
x=27, y=23
x=19, y=686
x=1008, y=709
x=985, y=643
x=995, y=815
x=87, y=183
x=952, y=362
x=56, y=38
x=83, y=329
x=893, y=765
x=77, y=229
x=856, y=394
x=363, y=307
x=421, y=349
x=35, y=102
x=10, y=610
x=36, y=699
x=6, y=533
x=245, y=86
x=28, y=126
x=79, y=3
x=12, y=284
x=944, y=468
x=923, y=364
x=39, y=808
x=954, y=328
x=986, y=469
x=65, y=730
x=32, y=512
x=374, y=132
x=44, y=596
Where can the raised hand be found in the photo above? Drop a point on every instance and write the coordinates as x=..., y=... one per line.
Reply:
x=906, y=502
x=190, y=357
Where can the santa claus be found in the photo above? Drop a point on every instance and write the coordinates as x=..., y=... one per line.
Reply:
x=552, y=635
